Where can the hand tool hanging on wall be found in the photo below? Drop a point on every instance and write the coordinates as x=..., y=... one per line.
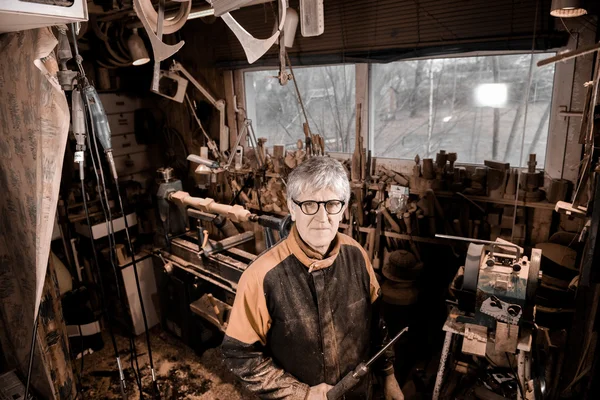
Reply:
x=353, y=377
x=78, y=123
x=101, y=131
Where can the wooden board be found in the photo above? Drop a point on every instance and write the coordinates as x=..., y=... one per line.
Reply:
x=230, y=109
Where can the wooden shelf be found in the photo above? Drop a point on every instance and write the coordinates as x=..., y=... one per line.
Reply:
x=484, y=199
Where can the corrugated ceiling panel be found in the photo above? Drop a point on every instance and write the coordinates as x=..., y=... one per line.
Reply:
x=357, y=27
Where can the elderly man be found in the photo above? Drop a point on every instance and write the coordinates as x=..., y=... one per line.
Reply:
x=304, y=314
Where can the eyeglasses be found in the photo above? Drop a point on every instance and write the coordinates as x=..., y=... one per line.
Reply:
x=311, y=207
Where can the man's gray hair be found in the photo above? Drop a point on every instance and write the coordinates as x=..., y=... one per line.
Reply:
x=318, y=173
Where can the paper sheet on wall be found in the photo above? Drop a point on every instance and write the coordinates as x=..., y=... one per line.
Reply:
x=34, y=122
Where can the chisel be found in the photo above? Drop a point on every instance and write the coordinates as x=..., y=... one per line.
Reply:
x=353, y=377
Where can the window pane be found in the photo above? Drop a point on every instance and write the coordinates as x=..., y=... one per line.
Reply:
x=328, y=94
x=473, y=106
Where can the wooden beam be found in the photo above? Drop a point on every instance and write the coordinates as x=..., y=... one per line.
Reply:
x=240, y=95
x=230, y=108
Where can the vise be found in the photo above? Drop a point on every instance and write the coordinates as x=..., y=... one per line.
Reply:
x=494, y=307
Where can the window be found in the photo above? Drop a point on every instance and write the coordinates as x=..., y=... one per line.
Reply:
x=472, y=105
x=328, y=94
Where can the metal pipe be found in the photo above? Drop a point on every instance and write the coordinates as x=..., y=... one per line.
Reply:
x=479, y=241
x=570, y=54
x=387, y=346
x=439, y=379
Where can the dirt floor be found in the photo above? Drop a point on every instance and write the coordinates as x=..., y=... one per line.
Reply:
x=181, y=373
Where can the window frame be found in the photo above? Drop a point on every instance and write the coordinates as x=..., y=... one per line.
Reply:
x=250, y=111
x=402, y=162
x=561, y=131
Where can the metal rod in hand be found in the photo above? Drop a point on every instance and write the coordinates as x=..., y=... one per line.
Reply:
x=353, y=377
x=387, y=346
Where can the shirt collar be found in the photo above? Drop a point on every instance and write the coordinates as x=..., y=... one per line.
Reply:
x=309, y=257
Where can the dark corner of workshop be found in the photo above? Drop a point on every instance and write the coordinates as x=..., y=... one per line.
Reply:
x=299, y=199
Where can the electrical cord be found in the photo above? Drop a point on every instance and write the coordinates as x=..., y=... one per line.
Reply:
x=103, y=294
x=516, y=377
x=139, y=290
x=31, y=354
x=82, y=83
x=108, y=218
x=102, y=180
x=78, y=376
x=111, y=239
x=82, y=346
x=111, y=228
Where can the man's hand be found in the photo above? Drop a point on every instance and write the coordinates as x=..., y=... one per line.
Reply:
x=391, y=389
x=319, y=392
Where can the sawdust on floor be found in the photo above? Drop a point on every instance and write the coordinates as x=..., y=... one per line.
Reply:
x=180, y=372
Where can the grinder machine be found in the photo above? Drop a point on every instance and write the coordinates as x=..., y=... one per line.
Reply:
x=494, y=308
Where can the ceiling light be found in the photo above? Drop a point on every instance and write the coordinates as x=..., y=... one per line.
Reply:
x=137, y=48
x=567, y=8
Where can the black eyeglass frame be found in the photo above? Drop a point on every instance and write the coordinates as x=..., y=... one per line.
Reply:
x=300, y=203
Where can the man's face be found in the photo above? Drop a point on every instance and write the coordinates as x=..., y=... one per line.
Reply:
x=316, y=230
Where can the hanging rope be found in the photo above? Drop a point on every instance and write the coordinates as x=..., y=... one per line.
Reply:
x=529, y=79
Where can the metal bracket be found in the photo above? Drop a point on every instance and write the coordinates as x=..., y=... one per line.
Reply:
x=160, y=50
x=217, y=103
x=565, y=113
x=255, y=48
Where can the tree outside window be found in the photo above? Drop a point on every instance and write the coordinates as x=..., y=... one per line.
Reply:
x=328, y=94
x=474, y=106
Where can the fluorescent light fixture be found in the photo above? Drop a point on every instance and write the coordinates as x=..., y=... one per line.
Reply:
x=492, y=95
x=201, y=13
x=567, y=8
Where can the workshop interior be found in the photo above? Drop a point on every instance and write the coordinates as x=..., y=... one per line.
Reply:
x=149, y=143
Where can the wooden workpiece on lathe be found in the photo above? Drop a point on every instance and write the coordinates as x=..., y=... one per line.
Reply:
x=235, y=213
